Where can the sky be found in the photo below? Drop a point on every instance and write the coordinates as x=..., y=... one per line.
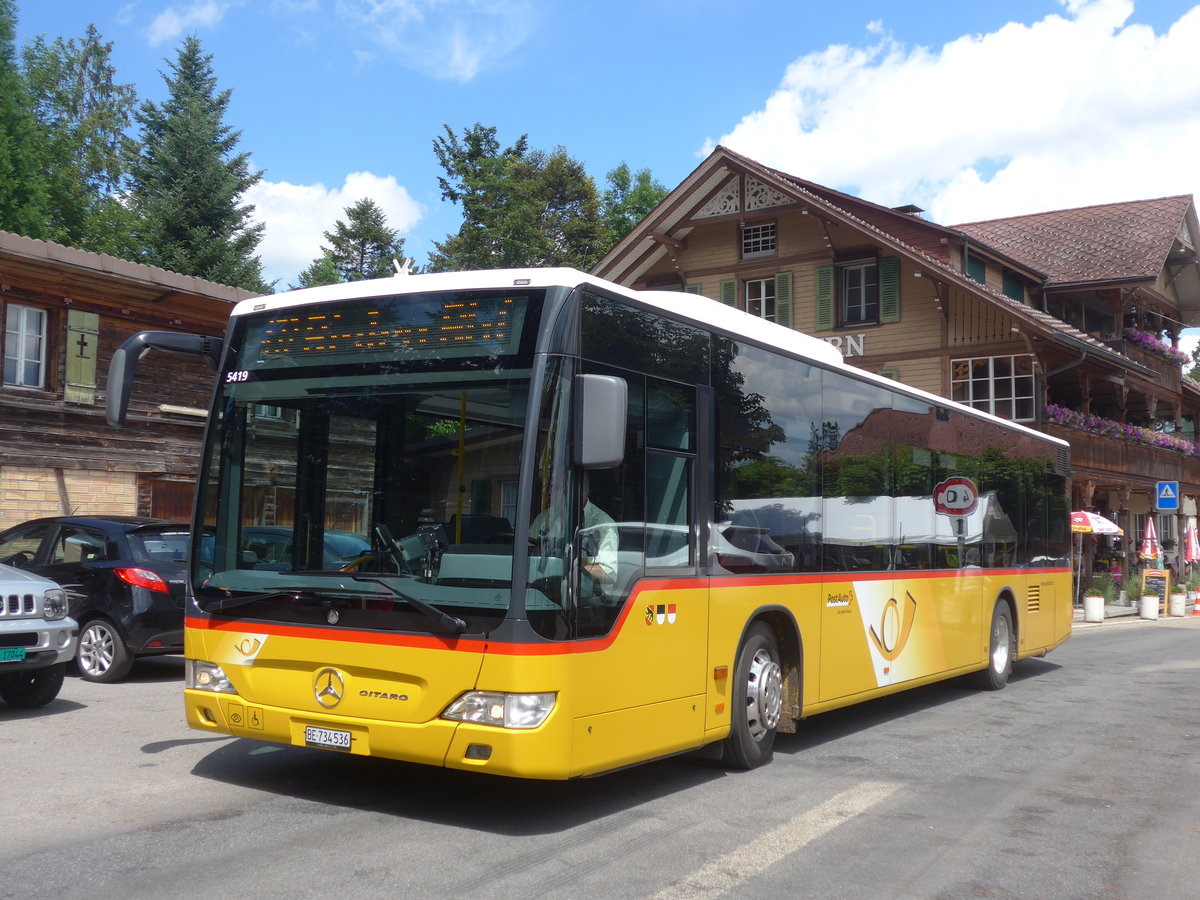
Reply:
x=970, y=110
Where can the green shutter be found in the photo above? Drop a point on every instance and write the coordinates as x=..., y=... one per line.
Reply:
x=824, y=295
x=1013, y=287
x=729, y=293
x=889, y=289
x=977, y=269
x=783, y=299
x=692, y=289
x=83, y=336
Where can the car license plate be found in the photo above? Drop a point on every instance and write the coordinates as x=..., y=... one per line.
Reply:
x=327, y=738
x=12, y=654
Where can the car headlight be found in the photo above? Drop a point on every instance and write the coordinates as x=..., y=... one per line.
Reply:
x=501, y=710
x=54, y=604
x=205, y=676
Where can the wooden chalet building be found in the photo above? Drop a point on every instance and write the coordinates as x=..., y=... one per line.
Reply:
x=65, y=312
x=1067, y=321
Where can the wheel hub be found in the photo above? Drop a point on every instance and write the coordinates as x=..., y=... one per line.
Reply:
x=764, y=695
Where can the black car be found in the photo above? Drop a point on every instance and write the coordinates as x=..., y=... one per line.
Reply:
x=124, y=578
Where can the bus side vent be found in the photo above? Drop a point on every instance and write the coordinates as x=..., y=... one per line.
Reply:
x=1033, y=600
x=1064, y=461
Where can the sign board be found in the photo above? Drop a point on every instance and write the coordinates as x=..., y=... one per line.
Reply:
x=956, y=496
x=1156, y=582
x=1166, y=496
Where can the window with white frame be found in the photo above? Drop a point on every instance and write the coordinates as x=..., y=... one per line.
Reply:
x=1001, y=385
x=859, y=292
x=758, y=240
x=760, y=298
x=24, y=346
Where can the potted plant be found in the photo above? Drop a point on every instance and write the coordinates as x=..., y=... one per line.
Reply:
x=1093, y=604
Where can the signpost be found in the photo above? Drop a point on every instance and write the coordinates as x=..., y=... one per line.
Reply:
x=1166, y=496
x=957, y=498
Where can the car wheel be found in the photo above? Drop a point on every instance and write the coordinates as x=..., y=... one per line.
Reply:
x=757, y=700
x=102, y=654
x=31, y=689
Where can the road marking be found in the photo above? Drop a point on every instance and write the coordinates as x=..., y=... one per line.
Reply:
x=732, y=869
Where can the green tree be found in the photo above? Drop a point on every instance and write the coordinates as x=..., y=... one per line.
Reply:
x=83, y=118
x=188, y=181
x=322, y=270
x=363, y=246
x=629, y=198
x=520, y=207
x=24, y=201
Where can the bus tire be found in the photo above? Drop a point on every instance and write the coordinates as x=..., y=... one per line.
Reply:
x=1002, y=645
x=756, y=700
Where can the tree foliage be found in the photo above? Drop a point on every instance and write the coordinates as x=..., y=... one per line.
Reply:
x=363, y=246
x=24, y=199
x=629, y=198
x=83, y=118
x=521, y=207
x=188, y=180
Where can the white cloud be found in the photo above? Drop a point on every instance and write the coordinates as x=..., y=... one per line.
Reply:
x=1074, y=109
x=451, y=39
x=174, y=21
x=298, y=215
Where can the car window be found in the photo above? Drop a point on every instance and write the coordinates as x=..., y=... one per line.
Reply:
x=21, y=546
x=77, y=545
x=166, y=545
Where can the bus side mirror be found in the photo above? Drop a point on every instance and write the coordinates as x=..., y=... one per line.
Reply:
x=122, y=369
x=601, y=403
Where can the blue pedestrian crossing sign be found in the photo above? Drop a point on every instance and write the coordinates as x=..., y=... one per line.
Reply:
x=1166, y=494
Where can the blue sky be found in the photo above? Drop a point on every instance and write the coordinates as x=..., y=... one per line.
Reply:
x=970, y=110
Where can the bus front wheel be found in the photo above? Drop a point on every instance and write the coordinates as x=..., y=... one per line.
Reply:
x=756, y=701
x=1001, y=649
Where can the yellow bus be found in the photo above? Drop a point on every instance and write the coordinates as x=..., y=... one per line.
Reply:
x=536, y=524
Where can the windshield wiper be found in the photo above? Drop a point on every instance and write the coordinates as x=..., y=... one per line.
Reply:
x=217, y=603
x=452, y=623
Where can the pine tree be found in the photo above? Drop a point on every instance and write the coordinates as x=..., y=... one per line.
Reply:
x=188, y=181
x=24, y=203
x=83, y=118
x=363, y=246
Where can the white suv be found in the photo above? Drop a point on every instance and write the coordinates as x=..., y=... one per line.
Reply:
x=37, y=638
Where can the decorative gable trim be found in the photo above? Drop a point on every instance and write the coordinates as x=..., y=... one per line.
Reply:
x=727, y=200
x=763, y=196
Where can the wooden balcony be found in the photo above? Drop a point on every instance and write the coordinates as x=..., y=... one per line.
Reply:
x=1123, y=459
x=1168, y=374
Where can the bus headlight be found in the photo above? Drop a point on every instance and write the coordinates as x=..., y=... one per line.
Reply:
x=205, y=676
x=501, y=710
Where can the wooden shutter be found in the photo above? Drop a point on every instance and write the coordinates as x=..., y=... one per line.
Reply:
x=783, y=299
x=692, y=289
x=889, y=289
x=824, y=294
x=83, y=336
x=729, y=293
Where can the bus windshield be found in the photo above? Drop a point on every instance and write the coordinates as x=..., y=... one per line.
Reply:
x=369, y=474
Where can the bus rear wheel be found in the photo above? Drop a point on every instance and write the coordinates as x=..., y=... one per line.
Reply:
x=1002, y=647
x=757, y=699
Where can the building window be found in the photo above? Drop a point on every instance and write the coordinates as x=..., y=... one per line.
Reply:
x=266, y=411
x=758, y=240
x=858, y=290
x=24, y=346
x=1001, y=385
x=760, y=298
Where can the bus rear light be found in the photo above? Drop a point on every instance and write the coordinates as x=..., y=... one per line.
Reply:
x=501, y=710
x=142, y=578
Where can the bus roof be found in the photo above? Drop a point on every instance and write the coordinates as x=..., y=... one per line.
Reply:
x=704, y=312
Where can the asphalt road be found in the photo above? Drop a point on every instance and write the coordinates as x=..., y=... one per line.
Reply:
x=1080, y=779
